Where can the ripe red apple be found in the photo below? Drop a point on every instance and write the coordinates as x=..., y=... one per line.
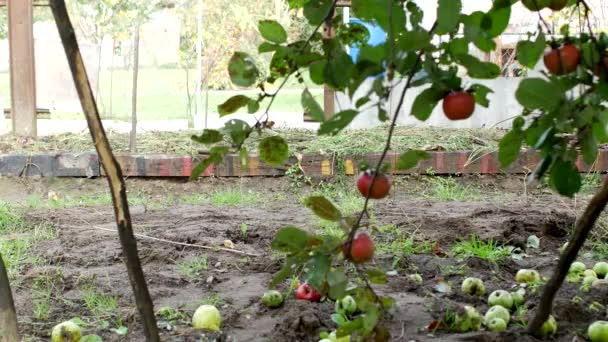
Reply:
x=306, y=292
x=458, y=105
x=381, y=187
x=361, y=249
x=563, y=60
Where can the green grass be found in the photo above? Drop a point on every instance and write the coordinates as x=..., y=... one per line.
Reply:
x=103, y=306
x=448, y=189
x=193, y=268
x=42, y=291
x=70, y=201
x=485, y=250
x=234, y=197
x=17, y=238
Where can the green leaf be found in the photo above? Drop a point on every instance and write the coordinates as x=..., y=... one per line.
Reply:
x=591, y=56
x=385, y=13
x=274, y=151
x=290, y=240
x=242, y=69
x=565, y=178
x=509, y=147
x=317, y=71
x=285, y=272
x=317, y=267
x=311, y=106
x=477, y=68
x=411, y=158
x=323, y=208
x=370, y=319
x=339, y=319
x=414, y=40
x=209, y=137
x=480, y=92
x=337, y=282
x=91, y=338
x=536, y=93
x=349, y=327
x=121, y=331
x=267, y=47
x=337, y=122
x=238, y=130
x=426, y=102
x=499, y=16
x=216, y=156
x=338, y=71
x=376, y=276
x=387, y=302
x=589, y=149
x=316, y=11
x=272, y=31
x=233, y=104
x=528, y=52
x=458, y=46
x=448, y=15
x=253, y=106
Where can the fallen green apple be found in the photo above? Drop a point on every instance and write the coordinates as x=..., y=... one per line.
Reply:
x=525, y=276
x=502, y=298
x=598, y=331
x=346, y=306
x=519, y=297
x=590, y=273
x=334, y=338
x=497, y=311
x=66, y=332
x=577, y=267
x=589, y=280
x=415, y=278
x=600, y=283
x=473, y=286
x=601, y=269
x=272, y=299
x=468, y=320
x=497, y=324
x=549, y=328
x=207, y=317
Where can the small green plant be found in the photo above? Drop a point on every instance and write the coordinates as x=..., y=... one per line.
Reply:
x=485, y=250
x=233, y=198
x=244, y=231
x=590, y=182
x=193, y=268
x=448, y=189
x=42, y=290
x=296, y=176
x=103, y=306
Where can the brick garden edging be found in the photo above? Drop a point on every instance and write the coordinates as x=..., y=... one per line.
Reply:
x=164, y=165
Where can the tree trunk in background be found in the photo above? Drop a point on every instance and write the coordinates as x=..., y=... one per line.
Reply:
x=133, y=136
x=8, y=317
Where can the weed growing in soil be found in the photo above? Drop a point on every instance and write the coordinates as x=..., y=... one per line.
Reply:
x=234, y=197
x=42, y=291
x=448, y=189
x=102, y=306
x=192, y=269
x=489, y=251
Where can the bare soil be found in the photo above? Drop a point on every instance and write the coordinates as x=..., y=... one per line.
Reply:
x=85, y=249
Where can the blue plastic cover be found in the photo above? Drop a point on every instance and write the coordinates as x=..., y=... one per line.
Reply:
x=377, y=36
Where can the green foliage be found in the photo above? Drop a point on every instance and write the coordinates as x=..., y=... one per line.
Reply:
x=485, y=250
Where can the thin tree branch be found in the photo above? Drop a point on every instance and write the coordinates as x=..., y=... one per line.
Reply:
x=112, y=168
x=9, y=331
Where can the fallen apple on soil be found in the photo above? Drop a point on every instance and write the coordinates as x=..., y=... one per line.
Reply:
x=502, y=298
x=519, y=297
x=549, y=328
x=468, y=320
x=207, y=317
x=590, y=273
x=415, y=278
x=272, y=299
x=473, y=286
x=66, y=332
x=601, y=269
x=598, y=331
x=346, y=306
x=496, y=325
x=526, y=276
x=306, y=292
x=497, y=311
x=577, y=267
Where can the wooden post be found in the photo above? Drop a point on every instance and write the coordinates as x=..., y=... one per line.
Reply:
x=23, y=77
x=328, y=94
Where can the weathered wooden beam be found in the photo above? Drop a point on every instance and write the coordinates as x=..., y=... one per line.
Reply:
x=23, y=74
x=328, y=94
